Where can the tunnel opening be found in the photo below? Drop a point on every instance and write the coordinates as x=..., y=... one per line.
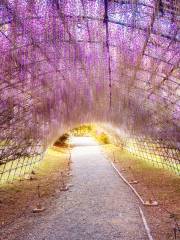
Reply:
x=157, y=152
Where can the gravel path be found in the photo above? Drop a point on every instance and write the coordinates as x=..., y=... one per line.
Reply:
x=99, y=206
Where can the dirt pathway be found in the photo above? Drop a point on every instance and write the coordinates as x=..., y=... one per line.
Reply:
x=99, y=206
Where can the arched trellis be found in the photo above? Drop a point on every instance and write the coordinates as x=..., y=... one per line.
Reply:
x=68, y=62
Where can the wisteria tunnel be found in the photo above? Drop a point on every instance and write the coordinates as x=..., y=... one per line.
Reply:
x=68, y=62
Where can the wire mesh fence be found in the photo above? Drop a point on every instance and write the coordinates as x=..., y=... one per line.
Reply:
x=160, y=154
x=19, y=168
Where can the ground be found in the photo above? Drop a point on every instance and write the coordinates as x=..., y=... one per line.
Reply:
x=98, y=204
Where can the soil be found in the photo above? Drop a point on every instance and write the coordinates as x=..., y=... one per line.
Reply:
x=154, y=184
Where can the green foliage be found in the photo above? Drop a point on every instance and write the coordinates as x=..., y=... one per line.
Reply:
x=62, y=140
x=93, y=131
x=83, y=130
x=103, y=138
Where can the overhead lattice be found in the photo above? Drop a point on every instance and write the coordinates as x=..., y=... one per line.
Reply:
x=64, y=62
